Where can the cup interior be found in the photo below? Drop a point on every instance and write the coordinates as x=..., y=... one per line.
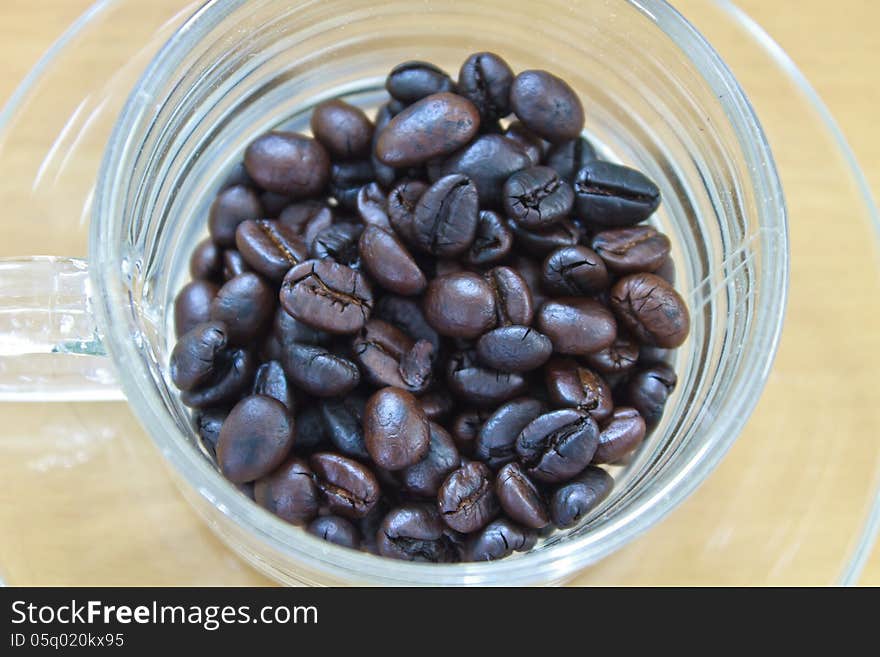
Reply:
x=656, y=97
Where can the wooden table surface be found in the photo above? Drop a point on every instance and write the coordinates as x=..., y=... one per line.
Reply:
x=835, y=44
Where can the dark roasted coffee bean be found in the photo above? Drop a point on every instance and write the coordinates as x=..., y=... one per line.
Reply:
x=194, y=359
x=349, y=488
x=539, y=244
x=434, y=126
x=288, y=331
x=327, y=295
x=343, y=421
x=412, y=81
x=385, y=175
x=233, y=264
x=632, y=250
x=465, y=427
x=271, y=381
x=416, y=367
x=246, y=305
x=651, y=309
x=343, y=129
x=414, y=532
x=307, y=219
x=575, y=499
x=208, y=423
x=445, y=219
x=479, y=385
x=396, y=429
x=495, y=442
x=389, y=263
x=556, y=446
x=206, y=261
x=388, y=357
x=347, y=179
x=620, y=435
x=270, y=247
x=372, y=206
x=436, y=404
x=288, y=163
x=274, y=204
x=499, y=539
x=577, y=325
x=318, y=371
x=311, y=430
x=192, y=306
x=492, y=242
x=338, y=242
x=485, y=80
x=488, y=162
x=233, y=371
x=532, y=145
x=513, y=300
x=648, y=390
x=530, y=272
x=466, y=498
x=520, y=498
x=514, y=348
x=255, y=439
x=407, y=315
x=336, y=530
x=619, y=358
x=547, y=106
x=289, y=492
x=230, y=208
x=569, y=157
x=573, y=271
x=238, y=175
x=608, y=194
x=402, y=202
x=424, y=478
x=460, y=305
x=537, y=197
x=573, y=385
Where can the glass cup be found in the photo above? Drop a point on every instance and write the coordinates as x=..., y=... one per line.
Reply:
x=657, y=97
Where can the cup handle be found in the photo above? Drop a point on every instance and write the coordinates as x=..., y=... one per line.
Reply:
x=50, y=347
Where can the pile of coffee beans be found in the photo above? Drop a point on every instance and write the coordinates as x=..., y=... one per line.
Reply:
x=420, y=335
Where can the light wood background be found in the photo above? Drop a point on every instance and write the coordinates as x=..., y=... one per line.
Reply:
x=837, y=46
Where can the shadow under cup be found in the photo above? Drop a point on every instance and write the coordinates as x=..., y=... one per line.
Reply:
x=656, y=97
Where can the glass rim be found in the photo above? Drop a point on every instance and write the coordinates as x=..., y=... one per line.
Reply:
x=554, y=562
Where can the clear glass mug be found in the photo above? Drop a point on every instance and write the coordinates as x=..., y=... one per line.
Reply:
x=656, y=96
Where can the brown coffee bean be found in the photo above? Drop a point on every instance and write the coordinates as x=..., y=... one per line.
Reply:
x=573, y=385
x=289, y=492
x=651, y=310
x=270, y=247
x=246, y=304
x=348, y=488
x=343, y=129
x=230, y=208
x=576, y=325
x=632, y=250
x=395, y=429
x=256, y=437
x=621, y=434
x=466, y=499
x=520, y=498
x=288, y=163
x=389, y=263
x=328, y=296
x=547, y=106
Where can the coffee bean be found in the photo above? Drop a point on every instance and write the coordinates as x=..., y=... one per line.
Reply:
x=488, y=162
x=208, y=423
x=648, y=390
x=343, y=129
x=414, y=532
x=233, y=264
x=288, y=163
x=608, y=194
x=619, y=358
x=632, y=250
x=372, y=206
x=289, y=492
x=327, y=295
x=255, y=439
x=436, y=125
x=388, y=357
x=307, y=219
x=318, y=371
x=194, y=358
x=445, y=219
x=547, y=106
x=495, y=441
x=192, y=306
x=274, y=204
x=436, y=404
x=396, y=429
x=232, y=373
x=576, y=325
x=466, y=498
x=620, y=435
x=347, y=179
x=460, y=305
x=385, y=174
x=575, y=499
x=336, y=530
x=573, y=271
x=343, y=421
x=572, y=385
x=270, y=247
x=288, y=331
x=530, y=272
x=206, y=261
x=520, y=498
x=246, y=305
x=532, y=145
x=539, y=244
x=389, y=263
x=402, y=203
x=513, y=300
x=537, y=197
x=492, y=242
x=651, y=309
x=413, y=80
x=338, y=242
x=499, y=539
x=349, y=488
x=424, y=478
x=556, y=446
x=569, y=157
x=485, y=80
x=407, y=315
x=514, y=348
x=311, y=430
x=479, y=385
x=270, y=381
x=465, y=427
x=230, y=208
